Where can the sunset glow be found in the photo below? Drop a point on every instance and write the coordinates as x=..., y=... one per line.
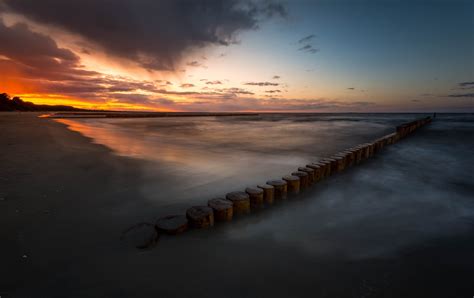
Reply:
x=283, y=57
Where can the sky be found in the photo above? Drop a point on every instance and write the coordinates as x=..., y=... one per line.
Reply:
x=240, y=55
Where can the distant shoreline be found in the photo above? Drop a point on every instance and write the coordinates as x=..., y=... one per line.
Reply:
x=140, y=114
x=129, y=114
x=132, y=114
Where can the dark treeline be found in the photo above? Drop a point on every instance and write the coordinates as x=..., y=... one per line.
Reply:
x=17, y=104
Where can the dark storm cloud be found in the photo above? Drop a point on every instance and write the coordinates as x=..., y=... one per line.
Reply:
x=154, y=33
x=261, y=84
x=83, y=86
x=37, y=55
x=307, y=39
x=34, y=59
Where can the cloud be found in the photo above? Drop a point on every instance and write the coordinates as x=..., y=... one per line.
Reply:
x=194, y=64
x=35, y=60
x=37, y=55
x=308, y=49
x=307, y=46
x=156, y=34
x=466, y=84
x=465, y=95
x=38, y=60
x=276, y=77
x=213, y=82
x=261, y=84
x=164, y=101
x=307, y=38
x=351, y=88
x=237, y=91
x=187, y=85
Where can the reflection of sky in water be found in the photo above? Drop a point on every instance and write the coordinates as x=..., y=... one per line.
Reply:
x=421, y=191
x=193, y=158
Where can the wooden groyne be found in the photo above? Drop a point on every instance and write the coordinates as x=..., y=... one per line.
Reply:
x=239, y=203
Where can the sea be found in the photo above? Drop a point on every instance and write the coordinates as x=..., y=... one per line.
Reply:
x=196, y=158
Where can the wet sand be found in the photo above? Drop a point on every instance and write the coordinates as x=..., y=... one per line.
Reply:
x=409, y=232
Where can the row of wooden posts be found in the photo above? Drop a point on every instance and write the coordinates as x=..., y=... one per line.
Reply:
x=223, y=209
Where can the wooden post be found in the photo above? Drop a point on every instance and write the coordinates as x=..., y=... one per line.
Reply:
x=304, y=179
x=365, y=151
x=333, y=165
x=268, y=193
x=318, y=169
x=371, y=149
x=391, y=138
x=327, y=167
x=310, y=173
x=340, y=162
x=358, y=154
x=223, y=209
x=173, y=224
x=293, y=184
x=200, y=217
x=351, y=157
x=241, y=201
x=280, y=188
x=256, y=197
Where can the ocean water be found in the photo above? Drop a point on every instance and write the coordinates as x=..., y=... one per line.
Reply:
x=191, y=159
x=397, y=225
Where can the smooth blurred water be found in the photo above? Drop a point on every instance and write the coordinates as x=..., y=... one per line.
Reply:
x=398, y=225
x=190, y=159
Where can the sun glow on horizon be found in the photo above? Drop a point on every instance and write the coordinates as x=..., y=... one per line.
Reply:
x=258, y=62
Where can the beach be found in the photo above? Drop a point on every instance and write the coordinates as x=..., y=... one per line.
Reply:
x=400, y=224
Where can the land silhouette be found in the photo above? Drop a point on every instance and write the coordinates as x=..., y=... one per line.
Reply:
x=10, y=104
